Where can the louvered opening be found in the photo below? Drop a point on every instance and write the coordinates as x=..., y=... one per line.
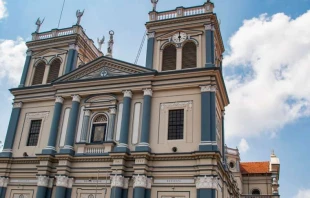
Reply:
x=54, y=70
x=38, y=73
x=169, y=58
x=189, y=56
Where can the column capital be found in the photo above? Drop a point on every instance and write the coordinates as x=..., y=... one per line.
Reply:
x=43, y=180
x=139, y=181
x=29, y=53
x=76, y=98
x=148, y=92
x=117, y=181
x=70, y=182
x=112, y=111
x=59, y=99
x=150, y=35
x=4, y=181
x=126, y=182
x=17, y=105
x=73, y=46
x=62, y=181
x=50, y=183
x=208, y=88
x=87, y=112
x=149, y=183
x=206, y=182
x=209, y=27
x=127, y=93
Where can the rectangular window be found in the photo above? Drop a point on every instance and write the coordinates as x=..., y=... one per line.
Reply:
x=176, y=124
x=98, y=133
x=34, y=132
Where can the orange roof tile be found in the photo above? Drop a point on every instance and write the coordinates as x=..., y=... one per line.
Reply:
x=254, y=167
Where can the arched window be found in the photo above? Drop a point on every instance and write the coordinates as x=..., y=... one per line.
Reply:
x=189, y=55
x=99, y=128
x=54, y=70
x=169, y=58
x=38, y=73
x=255, y=192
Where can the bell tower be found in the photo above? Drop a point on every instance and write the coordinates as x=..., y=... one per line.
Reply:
x=184, y=38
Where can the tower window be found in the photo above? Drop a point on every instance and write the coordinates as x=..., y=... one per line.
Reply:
x=38, y=73
x=54, y=70
x=189, y=55
x=255, y=192
x=99, y=128
x=176, y=124
x=34, y=132
x=169, y=58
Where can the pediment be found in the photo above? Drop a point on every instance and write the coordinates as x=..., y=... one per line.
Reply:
x=104, y=67
x=168, y=35
x=51, y=50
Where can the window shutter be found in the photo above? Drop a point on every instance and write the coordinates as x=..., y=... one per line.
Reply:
x=189, y=55
x=54, y=70
x=38, y=73
x=169, y=58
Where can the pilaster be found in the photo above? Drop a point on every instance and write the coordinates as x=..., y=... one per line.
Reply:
x=139, y=185
x=209, y=34
x=26, y=68
x=150, y=50
x=61, y=186
x=85, y=126
x=71, y=58
x=117, y=184
x=42, y=184
x=112, y=115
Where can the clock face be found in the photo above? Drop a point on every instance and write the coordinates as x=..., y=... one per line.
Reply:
x=179, y=37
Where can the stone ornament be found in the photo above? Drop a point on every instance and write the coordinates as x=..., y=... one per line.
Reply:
x=4, y=181
x=151, y=35
x=79, y=15
x=43, y=180
x=149, y=183
x=74, y=47
x=87, y=112
x=127, y=93
x=59, y=100
x=139, y=181
x=188, y=105
x=17, y=105
x=62, y=181
x=110, y=44
x=76, y=98
x=148, y=92
x=208, y=88
x=206, y=182
x=100, y=42
x=209, y=27
x=112, y=111
x=117, y=181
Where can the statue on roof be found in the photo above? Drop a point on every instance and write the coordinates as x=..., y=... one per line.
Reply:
x=154, y=2
x=79, y=15
x=100, y=42
x=110, y=44
x=39, y=23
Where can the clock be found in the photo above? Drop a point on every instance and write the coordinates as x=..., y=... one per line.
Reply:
x=179, y=37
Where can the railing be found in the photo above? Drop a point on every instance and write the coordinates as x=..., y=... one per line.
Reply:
x=64, y=32
x=94, y=149
x=181, y=11
x=259, y=196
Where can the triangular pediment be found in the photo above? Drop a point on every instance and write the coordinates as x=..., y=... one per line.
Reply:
x=104, y=67
x=168, y=35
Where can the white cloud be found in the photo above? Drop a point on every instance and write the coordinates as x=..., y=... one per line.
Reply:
x=268, y=70
x=3, y=10
x=303, y=194
x=243, y=146
x=12, y=58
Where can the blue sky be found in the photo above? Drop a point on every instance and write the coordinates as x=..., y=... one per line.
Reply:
x=266, y=62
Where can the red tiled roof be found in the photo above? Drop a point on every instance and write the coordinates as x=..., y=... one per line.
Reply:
x=254, y=167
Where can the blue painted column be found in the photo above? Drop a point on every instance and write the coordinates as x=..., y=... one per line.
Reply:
x=69, y=188
x=25, y=70
x=150, y=50
x=51, y=145
x=209, y=37
x=148, y=187
x=117, y=184
x=3, y=186
x=223, y=137
x=208, y=118
x=11, y=132
x=72, y=58
x=123, y=142
x=61, y=186
x=85, y=125
x=139, y=185
x=43, y=182
x=206, y=186
x=112, y=115
x=146, y=121
x=71, y=129
x=49, y=190
x=125, y=188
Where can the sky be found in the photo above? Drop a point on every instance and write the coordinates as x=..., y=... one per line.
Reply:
x=266, y=67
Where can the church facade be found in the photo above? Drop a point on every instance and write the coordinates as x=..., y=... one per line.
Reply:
x=87, y=125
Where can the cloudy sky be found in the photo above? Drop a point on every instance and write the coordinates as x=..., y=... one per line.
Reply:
x=266, y=67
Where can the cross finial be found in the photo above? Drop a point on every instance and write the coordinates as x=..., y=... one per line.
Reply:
x=154, y=2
